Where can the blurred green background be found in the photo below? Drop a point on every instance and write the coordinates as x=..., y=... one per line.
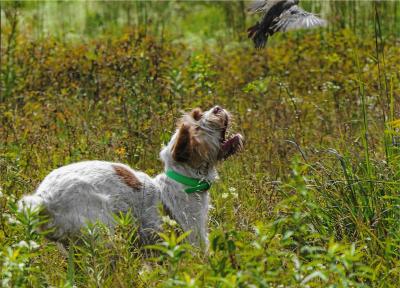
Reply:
x=189, y=21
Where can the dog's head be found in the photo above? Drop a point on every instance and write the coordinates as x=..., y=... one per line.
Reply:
x=200, y=139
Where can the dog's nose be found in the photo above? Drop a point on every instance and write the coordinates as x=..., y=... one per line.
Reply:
x=217, y=109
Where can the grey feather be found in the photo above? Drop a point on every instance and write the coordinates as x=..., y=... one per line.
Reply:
x=296, y=18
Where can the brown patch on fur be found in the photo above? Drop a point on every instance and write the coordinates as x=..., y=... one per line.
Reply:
x=182, y=149
x=200, y=154
x=189, y=147
x=127, y=176
x=196, y=114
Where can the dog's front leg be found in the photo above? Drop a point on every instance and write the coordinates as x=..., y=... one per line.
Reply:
x=198, y=225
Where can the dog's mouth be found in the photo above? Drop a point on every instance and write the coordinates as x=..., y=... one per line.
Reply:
x=229, y=145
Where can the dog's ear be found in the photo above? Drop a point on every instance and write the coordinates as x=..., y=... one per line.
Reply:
x=182, y=149
x=196, y=114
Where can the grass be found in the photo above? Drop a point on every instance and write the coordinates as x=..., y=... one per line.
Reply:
x=313, y=201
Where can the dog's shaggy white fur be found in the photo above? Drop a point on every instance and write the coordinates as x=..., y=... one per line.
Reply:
x=90, y=191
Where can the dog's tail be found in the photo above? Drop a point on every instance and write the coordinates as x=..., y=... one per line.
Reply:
x=31, y=202
x=36, y=204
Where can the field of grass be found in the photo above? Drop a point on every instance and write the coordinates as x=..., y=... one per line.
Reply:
x=312, y=201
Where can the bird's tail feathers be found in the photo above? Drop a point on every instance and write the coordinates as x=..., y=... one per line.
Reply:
x=257, y=35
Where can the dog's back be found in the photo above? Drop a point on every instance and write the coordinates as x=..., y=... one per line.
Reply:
x=91, y=191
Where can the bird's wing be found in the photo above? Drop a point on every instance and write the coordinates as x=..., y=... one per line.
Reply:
x=296, y=18
x=261, y=6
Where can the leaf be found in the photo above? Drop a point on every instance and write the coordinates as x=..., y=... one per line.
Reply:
x=395, y=123
x=313, y=275
x=183, y=236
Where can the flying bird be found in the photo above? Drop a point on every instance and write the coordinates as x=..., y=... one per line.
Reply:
x=279, y=16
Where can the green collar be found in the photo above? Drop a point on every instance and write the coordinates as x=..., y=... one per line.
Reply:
x=195, y=185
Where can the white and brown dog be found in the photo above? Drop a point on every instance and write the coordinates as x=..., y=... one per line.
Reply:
x=90, y=191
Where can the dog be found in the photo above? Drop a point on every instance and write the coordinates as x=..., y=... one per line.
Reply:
x=74, y=195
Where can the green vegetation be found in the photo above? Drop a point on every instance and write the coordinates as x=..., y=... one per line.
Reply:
x=313, y=200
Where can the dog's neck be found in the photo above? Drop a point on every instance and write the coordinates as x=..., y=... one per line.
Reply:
x=168, y=185
x=205, y=172
x=188, y=209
